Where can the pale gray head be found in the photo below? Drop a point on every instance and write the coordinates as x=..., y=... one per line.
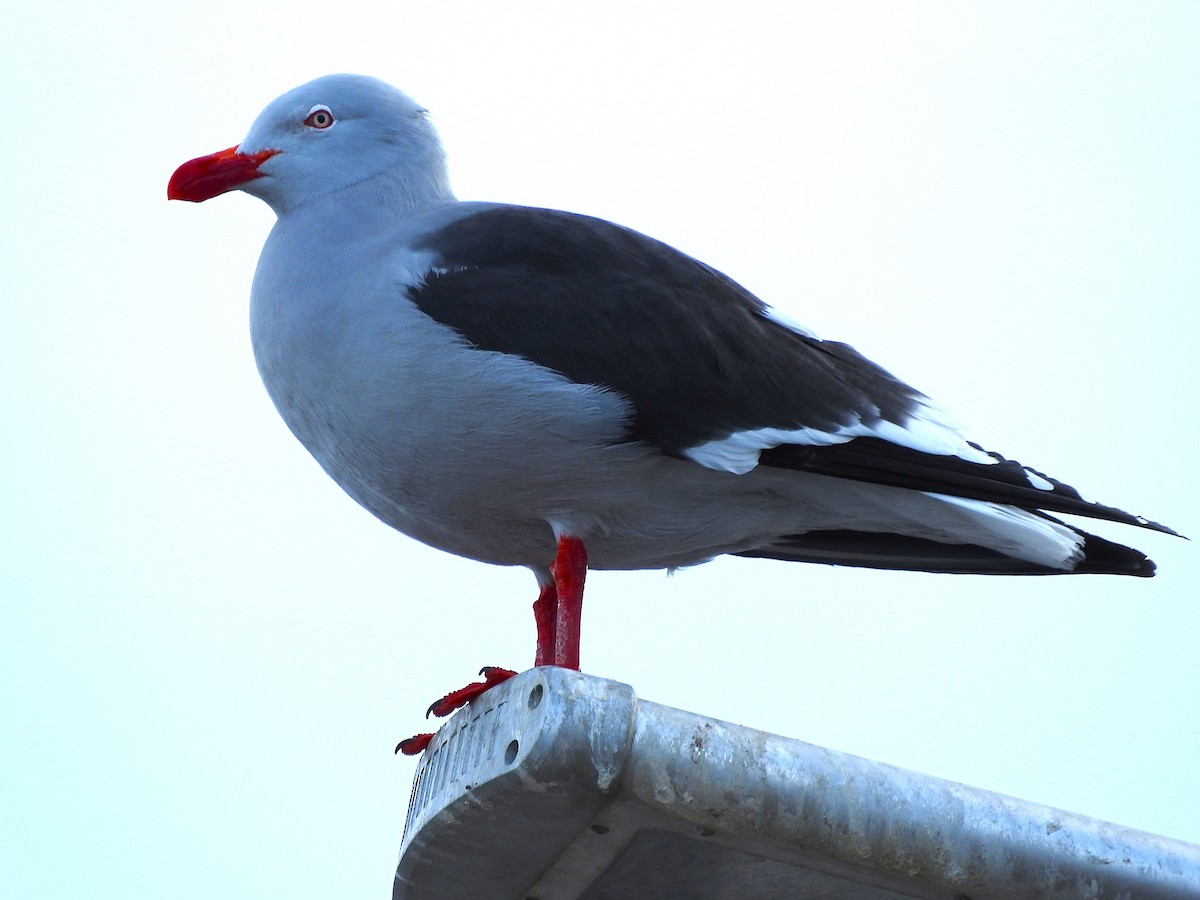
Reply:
x=322, y=137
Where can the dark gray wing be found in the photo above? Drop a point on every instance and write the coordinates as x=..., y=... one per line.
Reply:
x=694, y=352
x=608, y=306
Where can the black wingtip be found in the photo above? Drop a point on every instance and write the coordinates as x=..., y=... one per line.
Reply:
x=874, y=550
x=1005, y=481
x=1103, y=557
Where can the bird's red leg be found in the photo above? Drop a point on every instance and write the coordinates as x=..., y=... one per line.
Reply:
x=557, y=613
x=569, y=570
x=545, y=614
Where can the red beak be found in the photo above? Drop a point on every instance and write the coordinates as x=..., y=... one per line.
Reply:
x=207, y=176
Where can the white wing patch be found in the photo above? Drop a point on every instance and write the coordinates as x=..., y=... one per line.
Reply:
x=1037, y=481
x=929, y=430
x=782, y=318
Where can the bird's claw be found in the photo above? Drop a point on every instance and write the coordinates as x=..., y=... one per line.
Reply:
x=414, y=745
x=492, y=676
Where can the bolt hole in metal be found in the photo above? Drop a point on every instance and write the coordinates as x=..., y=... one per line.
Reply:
x=535, y=696
x=510, y=752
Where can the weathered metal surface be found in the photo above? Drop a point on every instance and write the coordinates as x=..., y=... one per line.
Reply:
x=558, y=785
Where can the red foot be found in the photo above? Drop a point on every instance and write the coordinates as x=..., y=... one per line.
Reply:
x=557, y=614
x=492, y=676
x=415, y=745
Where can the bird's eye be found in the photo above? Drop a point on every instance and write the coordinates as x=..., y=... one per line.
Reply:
x=319, y=117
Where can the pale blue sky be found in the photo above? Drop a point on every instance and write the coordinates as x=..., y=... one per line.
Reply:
x=207, y=652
